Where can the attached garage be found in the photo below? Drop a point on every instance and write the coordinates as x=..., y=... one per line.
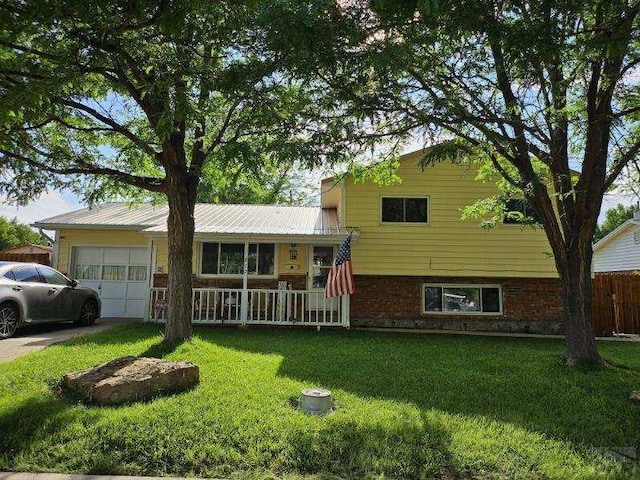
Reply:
x=120, y=275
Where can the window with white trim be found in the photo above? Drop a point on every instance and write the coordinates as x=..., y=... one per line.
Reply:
x=404, y=209
x=462, y=299
x=228, y=258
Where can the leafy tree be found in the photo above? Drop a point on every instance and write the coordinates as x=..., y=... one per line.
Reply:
x=614, y=217
x=496, y=209
x=262, y=183
x=119, y=98
x=629, y=181
x=512, y=80
x=14, y=234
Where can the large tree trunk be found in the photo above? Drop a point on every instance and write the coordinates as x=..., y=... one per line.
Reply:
x=577, y=302
x=181, y=198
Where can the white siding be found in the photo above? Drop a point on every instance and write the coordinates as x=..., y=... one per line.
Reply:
x=620, y=253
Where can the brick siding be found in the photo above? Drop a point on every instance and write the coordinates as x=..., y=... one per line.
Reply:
x=529, y=304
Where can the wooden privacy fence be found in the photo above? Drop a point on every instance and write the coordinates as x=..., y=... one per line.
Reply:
x=42, y=258
x=616, y=304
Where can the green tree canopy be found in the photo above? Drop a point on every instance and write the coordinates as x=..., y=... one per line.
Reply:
x=516, y=81
x=14, y=234
x=120, y=98
x=267, y=182
x=614, y=217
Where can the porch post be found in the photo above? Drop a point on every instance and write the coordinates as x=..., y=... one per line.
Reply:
x=152, y=269
x=345, y=310
x=244, y=305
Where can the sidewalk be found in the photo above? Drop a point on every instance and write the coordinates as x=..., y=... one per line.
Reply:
x=36, y=337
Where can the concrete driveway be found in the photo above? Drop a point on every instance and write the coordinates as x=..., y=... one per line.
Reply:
x=36, y=337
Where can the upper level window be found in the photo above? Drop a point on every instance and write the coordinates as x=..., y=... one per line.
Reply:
x=405, y=209
x=228, y=258
x=517, y=211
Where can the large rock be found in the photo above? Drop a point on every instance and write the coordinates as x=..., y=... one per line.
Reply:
x=128, y=379
x=635, y=397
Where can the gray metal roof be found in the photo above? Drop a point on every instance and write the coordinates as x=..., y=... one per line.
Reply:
x=109, y=215
x=262, y=220
x=209, y=219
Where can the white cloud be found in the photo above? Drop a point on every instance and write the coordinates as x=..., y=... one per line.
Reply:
x=48, y=204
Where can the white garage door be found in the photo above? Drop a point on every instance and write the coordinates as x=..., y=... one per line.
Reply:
x=120, y=275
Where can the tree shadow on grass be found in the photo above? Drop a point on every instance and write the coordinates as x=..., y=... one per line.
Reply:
x=420, y=446
x=32, y=422
x=518, y=381
x=161, y=349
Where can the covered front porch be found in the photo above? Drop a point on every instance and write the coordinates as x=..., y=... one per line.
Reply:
x=253, y=306
x=256, y=264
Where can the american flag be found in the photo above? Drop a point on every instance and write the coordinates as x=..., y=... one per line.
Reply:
x=340, y=279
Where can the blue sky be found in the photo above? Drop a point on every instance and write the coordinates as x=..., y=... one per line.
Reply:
x=56, y=202
x=47, y=205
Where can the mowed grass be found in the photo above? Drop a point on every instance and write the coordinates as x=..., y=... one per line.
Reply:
x=409, y=406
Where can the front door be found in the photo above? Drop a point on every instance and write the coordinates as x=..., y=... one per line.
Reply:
x=320, y=262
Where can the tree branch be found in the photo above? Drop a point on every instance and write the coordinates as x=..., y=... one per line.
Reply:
x=147, y=183
x=117, y=127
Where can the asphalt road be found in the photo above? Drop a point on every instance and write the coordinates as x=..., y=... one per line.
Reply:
x=36, y=337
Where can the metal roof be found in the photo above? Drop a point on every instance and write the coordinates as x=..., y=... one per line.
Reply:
x=109, y=215
x=209, y=219
x=262, y=220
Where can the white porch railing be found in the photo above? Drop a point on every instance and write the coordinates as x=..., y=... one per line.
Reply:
x=258, y=306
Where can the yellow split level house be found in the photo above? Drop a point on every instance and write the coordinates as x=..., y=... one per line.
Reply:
x=416, y=263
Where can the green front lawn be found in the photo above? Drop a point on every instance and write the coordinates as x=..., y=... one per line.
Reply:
x=410, y=406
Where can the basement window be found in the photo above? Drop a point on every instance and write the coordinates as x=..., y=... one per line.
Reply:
x=462, y=299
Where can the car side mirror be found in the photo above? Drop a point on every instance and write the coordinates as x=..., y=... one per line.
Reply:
x=73, y=283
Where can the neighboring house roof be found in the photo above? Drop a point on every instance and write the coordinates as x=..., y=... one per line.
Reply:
x=28, y=248
x=209, y=219
x=616, y=233
x=620, y=250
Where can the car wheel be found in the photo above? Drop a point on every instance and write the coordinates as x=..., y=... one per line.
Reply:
x=88, y=313
x=9, y=320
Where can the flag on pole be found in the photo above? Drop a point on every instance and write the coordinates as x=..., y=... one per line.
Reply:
x=340, y=279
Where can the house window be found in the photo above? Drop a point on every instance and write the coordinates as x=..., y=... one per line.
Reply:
x=228, y=258
x=517, y=211
x=405, y=209
x=462, y=299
